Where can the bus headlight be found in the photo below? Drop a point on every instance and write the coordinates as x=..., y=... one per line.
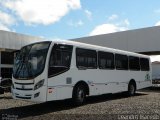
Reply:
x=39, y=84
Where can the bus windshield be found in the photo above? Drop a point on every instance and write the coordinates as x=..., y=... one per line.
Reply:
x=30, y=61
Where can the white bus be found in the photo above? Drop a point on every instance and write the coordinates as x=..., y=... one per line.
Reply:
x=57, y=70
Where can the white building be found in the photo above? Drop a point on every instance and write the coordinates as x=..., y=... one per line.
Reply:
x=146, y=41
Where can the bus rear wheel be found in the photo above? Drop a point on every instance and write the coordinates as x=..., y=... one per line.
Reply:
x=131, y=89
x=79, y=94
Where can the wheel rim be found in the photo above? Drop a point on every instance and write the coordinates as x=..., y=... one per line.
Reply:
x=132, y=89
x=80, y=95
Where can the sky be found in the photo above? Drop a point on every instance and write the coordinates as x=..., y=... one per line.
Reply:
x=68, y=19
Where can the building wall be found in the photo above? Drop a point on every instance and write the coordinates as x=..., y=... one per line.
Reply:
x=10, y=42
x=14, y=41
x=146, y=40
x=140, y=40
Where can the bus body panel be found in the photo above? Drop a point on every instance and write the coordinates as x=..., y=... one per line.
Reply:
x=59, y=86
x=30, y=95
x=99, y=81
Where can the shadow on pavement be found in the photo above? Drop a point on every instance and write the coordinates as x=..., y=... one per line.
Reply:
x=48, y=107
x=151, y=89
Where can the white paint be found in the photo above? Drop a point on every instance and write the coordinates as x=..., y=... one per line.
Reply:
x=99, y=81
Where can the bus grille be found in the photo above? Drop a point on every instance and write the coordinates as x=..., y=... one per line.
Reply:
x=23, y=97
x=24, y=88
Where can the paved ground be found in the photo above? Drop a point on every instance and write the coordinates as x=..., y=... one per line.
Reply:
x=144, y=105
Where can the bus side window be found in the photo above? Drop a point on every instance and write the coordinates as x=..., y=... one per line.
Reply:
x=144, y=63
x=134, y=63
x=86, y=58
x=105, y=60
x=60, y=59
x=121, y=62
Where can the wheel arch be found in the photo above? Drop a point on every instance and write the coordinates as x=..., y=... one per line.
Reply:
x=132, y=81
x=81, y=82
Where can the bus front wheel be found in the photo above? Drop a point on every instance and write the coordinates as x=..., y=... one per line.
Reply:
x=79, y=94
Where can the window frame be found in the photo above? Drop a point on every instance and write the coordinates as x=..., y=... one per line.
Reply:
x=134, y=69
x=119, y=54
x=148, y=67
x=49, y=67
x=113, y=60
x=86, y=57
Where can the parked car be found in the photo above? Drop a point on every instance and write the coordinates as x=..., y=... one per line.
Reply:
x=156, y=83
x=5, y=85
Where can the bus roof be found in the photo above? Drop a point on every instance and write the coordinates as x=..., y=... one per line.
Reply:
x=95, y=47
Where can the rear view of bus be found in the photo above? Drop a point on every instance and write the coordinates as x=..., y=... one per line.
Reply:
x=29, y=78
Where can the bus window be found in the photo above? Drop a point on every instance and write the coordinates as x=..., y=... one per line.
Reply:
x=134, y=63
x=144, y=62
x=86, y=58
x=60, y=59
x=121, y=62
x=105, y=60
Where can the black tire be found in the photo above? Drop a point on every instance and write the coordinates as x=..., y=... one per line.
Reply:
x=131, y=89
x=1, y=90
x=79, y=95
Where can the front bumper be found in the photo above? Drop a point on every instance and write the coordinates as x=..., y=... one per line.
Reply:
x=38, y=95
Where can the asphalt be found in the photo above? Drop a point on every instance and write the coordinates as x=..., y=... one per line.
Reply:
x=145, y=105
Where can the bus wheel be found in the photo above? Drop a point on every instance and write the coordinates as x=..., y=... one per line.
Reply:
x=131, y=89
x=79, y=94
